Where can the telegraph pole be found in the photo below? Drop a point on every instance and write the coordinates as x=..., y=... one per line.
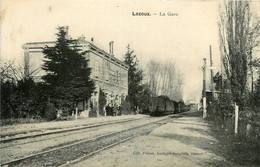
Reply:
x=211, y=71
x=204, y=88
x=222, y=72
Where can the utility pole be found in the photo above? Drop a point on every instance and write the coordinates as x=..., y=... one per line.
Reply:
x=211, y=72
x=204, y=89
x=222, y=73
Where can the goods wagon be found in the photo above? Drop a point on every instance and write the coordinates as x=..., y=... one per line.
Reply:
x=161, y=105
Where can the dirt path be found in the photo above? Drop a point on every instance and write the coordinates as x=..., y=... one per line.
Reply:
x=182, y=142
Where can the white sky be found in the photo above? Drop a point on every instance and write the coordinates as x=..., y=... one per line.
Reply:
x=183, y=39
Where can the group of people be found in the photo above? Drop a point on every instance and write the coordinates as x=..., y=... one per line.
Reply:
x=113, y=110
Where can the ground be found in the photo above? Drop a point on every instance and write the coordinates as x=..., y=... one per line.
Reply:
x=182, y=142
x=43, y=126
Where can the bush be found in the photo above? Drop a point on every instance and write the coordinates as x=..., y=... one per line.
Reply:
x=51, y=113
x=12, y=121
x=9, y=101
x=24, y=99
x=93, y=112
x=126, y=107
x=223, y=106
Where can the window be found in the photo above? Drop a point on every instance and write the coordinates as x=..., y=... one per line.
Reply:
x=96, y=69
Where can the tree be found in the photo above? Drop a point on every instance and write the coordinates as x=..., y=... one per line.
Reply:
x=257, y=94
x=164, y=79
x=20, y=95
x=238, y=38
x=102, y=101
x=8, y=99
x=153, y=68
x=24, y=99
x=67, y=72
x=11, y=71
x=135, y=76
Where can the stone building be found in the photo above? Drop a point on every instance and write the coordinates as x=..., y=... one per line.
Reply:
x=109, y=74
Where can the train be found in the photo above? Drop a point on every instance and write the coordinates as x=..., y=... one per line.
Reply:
x=162, y=105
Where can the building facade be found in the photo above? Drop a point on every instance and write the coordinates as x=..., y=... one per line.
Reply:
x=109, y=74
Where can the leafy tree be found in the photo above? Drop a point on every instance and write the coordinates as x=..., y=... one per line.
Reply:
x=20, y=95
x=67, y=72
x=25, y=94
x=238, y=37
x=257, y=94
x=256, y=97
x=135, y=76
x=218, y=81
x=8, y=99
x=23, y=99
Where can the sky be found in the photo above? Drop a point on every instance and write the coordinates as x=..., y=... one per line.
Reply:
x=183, y=38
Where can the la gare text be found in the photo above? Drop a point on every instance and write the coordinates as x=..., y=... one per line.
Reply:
x=155, y=14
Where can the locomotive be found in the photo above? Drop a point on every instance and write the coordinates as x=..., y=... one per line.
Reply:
x=162, y=105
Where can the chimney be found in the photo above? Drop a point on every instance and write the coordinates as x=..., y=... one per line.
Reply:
x=111, y=47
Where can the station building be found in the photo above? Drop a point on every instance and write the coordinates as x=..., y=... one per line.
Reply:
x=109, y=74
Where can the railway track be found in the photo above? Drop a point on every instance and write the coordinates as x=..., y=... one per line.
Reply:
x=63, y=133
x=10, y=138
x=76, y=151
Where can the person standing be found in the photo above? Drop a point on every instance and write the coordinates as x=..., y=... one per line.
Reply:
x=109, y=110
x=114, y=110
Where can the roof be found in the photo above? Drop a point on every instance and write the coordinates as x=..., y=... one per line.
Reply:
x=80, y=43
